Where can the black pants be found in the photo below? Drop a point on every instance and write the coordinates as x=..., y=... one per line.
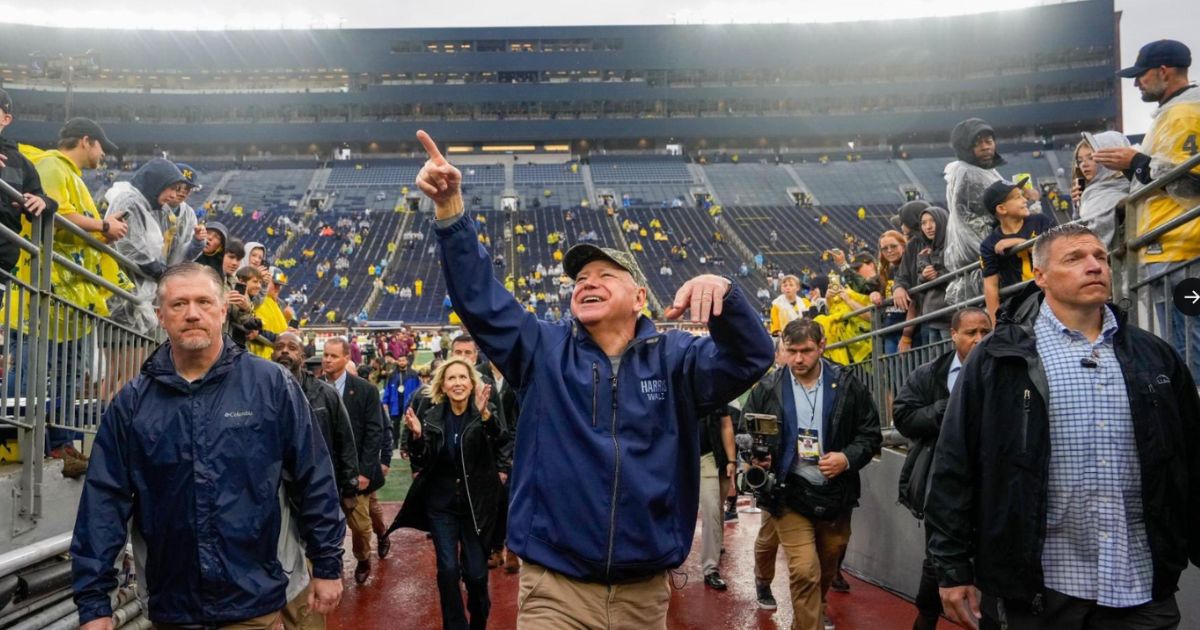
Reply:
x=461, y=555
x=1063, y=612
x=929, y=600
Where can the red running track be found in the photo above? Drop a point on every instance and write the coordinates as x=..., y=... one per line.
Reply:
x=401, y=593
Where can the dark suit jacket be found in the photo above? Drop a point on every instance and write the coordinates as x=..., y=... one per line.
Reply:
x=361, y=400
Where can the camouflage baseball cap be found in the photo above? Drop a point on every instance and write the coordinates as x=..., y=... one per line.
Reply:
x=582, y=254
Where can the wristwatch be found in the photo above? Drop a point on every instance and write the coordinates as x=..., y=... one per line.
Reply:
x=104, y=227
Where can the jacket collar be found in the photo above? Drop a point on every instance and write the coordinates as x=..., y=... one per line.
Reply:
x=1014, y=336
x=161, y=368
x=645, y=329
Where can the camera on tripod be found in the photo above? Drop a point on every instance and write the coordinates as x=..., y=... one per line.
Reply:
x=764, y=435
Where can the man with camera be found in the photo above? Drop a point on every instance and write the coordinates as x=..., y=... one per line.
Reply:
x=810, y=490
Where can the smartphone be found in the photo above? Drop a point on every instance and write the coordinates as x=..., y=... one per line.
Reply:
x=1081, y=182
x=240, y=288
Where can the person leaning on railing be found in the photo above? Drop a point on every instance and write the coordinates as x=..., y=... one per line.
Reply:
x=1161, y=74
x=82, y=145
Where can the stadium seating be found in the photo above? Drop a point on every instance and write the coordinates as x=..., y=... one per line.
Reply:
x=750, y=184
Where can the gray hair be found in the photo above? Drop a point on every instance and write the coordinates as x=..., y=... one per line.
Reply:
x=1041, y=248
x=338, y=340
x=189, y=269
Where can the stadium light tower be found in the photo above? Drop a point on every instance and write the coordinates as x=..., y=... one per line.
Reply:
x=84, y=62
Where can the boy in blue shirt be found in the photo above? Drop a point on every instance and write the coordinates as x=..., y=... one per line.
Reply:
x=1006, y=201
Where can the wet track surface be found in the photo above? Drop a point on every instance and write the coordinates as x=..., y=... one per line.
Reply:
x=401, y=593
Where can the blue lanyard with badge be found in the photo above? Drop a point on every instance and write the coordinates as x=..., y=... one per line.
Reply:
x=808, y=441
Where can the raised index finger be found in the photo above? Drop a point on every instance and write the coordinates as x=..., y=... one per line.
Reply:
x=430, y=147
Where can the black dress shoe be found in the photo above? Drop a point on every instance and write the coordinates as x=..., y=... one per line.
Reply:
x=362, y=571
x=839, y=583
x=383, y=546
x=713, y=580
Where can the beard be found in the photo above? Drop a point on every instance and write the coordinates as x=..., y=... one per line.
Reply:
x=195, y=343
x=1151, y=96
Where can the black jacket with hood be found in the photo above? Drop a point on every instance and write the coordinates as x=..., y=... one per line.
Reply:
x=908, y=275
x=216, y=260
x=986, y=507
x=962, y=140
x=917, y=413
x=19, y=173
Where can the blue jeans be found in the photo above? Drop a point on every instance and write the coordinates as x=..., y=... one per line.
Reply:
x=460, y=555
x=930, y=335
x=1185, y=330
x=891, y=341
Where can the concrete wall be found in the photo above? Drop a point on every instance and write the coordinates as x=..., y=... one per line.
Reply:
x=60, y=500
x=888, y=544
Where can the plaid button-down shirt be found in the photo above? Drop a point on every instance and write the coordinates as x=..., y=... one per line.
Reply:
x=1096, y=547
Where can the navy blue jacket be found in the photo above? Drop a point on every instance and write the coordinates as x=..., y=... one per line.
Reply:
x=605, y=483
x=199, y=468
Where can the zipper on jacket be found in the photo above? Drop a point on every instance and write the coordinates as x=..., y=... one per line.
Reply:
x=1025, y=423
x=595, y=389
x=462, y=458
x=612, y=520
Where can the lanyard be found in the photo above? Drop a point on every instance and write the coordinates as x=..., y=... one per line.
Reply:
x=811, y=399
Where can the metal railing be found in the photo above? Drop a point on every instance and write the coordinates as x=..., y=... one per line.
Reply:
x=1151, y=296
x=62, y=362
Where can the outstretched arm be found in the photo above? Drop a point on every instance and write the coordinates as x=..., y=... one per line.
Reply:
x=505, y=330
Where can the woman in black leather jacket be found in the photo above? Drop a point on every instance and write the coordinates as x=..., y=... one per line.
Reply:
x=455, y=496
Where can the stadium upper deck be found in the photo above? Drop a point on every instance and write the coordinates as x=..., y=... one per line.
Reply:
x=1039, y=70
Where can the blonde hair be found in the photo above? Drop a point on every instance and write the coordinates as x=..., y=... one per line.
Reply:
x=436, y=395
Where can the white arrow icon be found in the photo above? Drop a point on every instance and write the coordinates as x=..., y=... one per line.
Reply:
x=1194, y=297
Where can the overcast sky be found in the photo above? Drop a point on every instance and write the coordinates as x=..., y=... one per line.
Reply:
x=1142, y=21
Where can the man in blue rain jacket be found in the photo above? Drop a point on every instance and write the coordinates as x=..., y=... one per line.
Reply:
x=201, y=451
x=605, y=483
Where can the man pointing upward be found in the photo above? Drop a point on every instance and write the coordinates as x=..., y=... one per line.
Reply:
x=605, y=480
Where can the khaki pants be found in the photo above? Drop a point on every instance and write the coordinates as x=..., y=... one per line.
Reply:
x=376, y=510
x=766, y=547
x=298, y=616
x=714, y=486
x=552, y=601
x=265, y=622
x=359, y=522
x=813, y=548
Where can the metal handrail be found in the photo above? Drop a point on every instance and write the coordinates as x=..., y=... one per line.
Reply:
x=97, y=244
x=1157, y=233
x=1137, y=243
x=1166, y=178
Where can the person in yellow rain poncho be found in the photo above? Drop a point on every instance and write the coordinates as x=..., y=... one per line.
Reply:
x=840, y=326
x=62, y=179
x=270, y=314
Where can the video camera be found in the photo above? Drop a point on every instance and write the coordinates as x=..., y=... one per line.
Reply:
x=764, y=440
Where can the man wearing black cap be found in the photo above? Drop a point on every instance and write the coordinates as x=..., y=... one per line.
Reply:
x=1161, y=74
x=19, y=173
x=81, y=145
x=606, y=480
x=1006, y=200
